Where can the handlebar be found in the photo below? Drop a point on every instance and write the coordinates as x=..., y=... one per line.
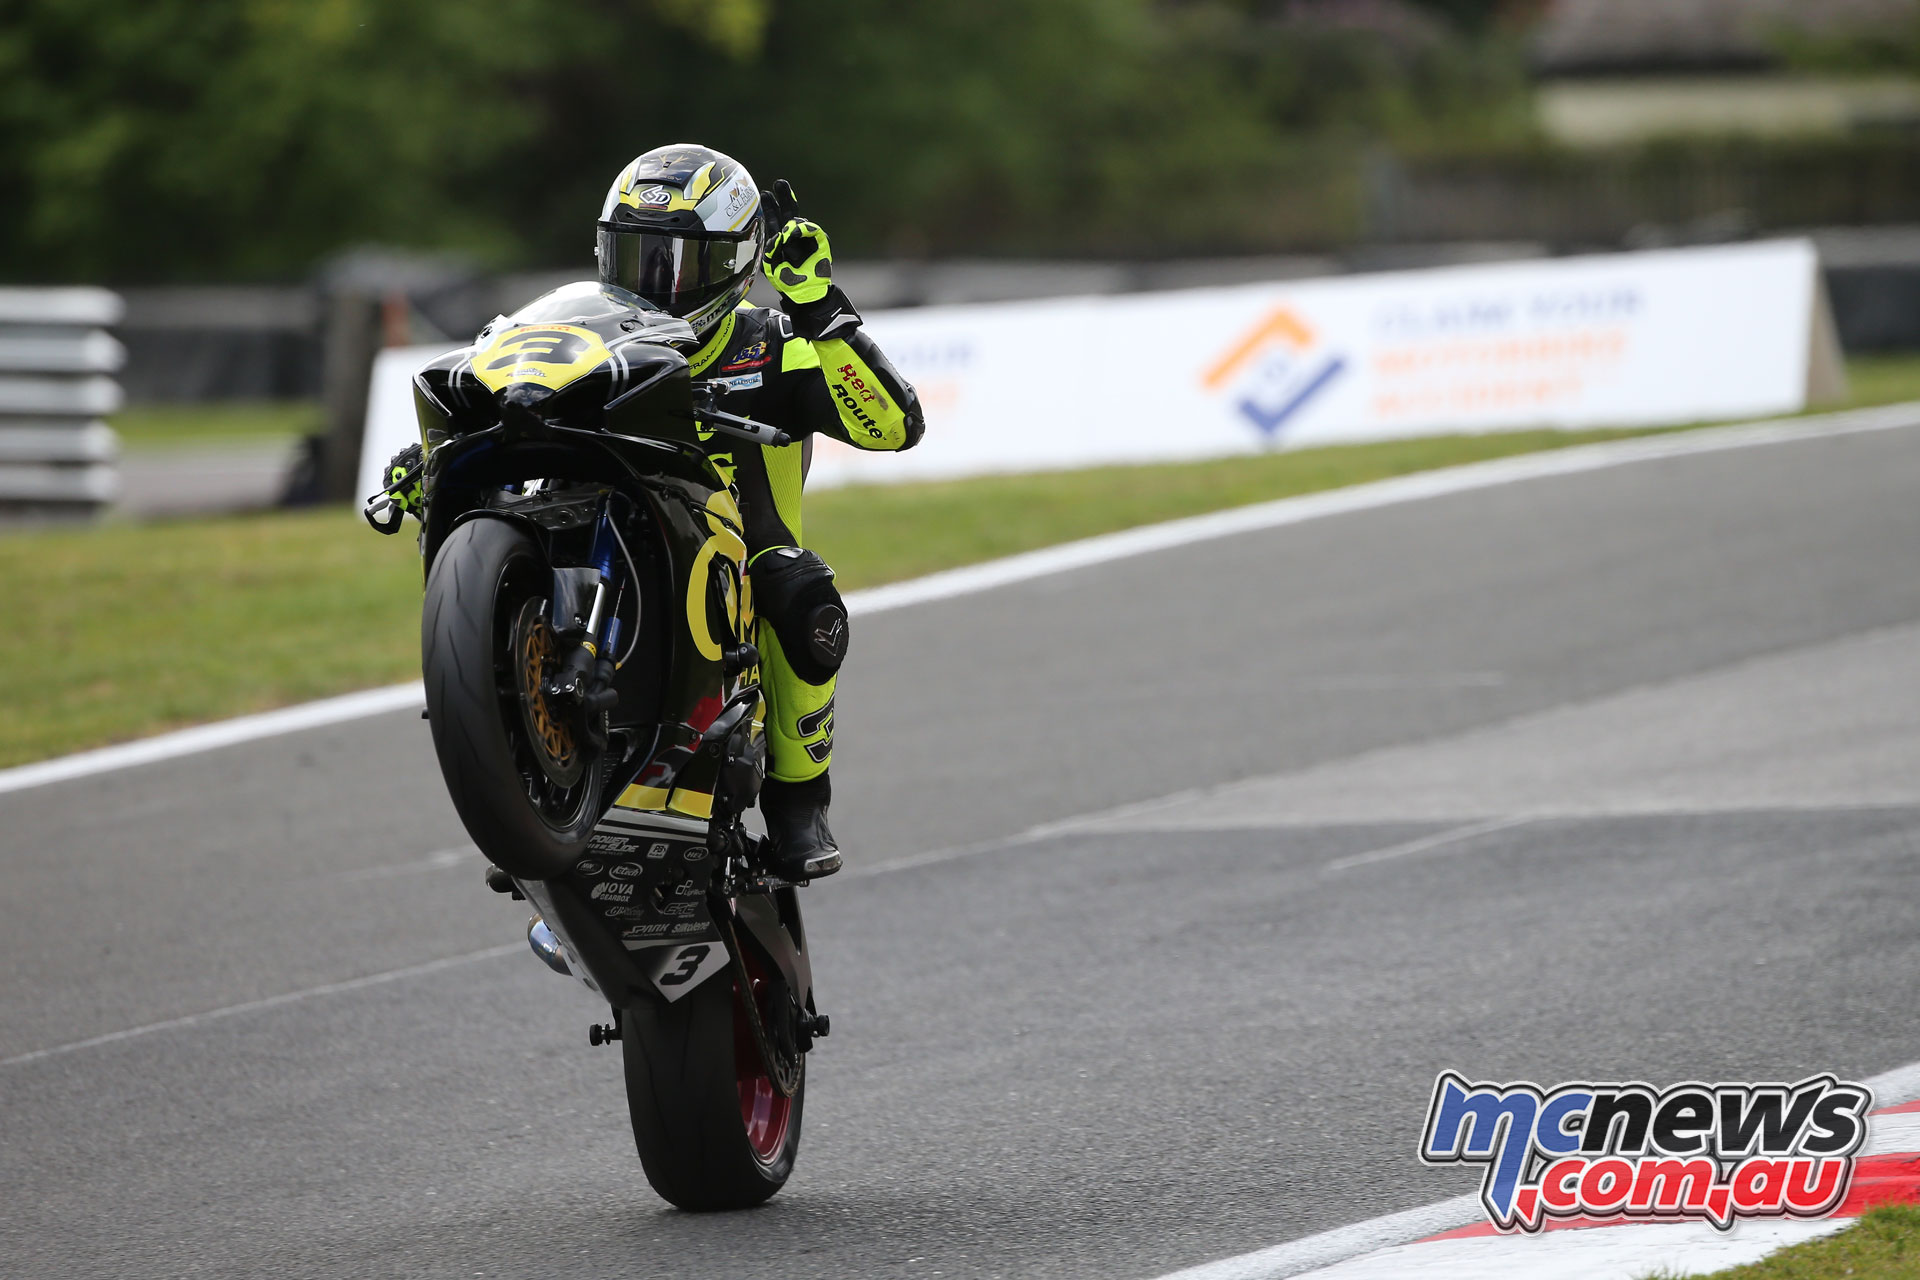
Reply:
x=744, y=428
x=731, y=424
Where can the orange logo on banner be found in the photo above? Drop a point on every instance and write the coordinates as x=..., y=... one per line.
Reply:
x=1271, y=365
x=1281, y=325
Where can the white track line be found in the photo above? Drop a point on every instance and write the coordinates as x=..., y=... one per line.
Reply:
x=221, y=733
x=440, y=860
x=1425, y=844
x=270, y=1002
x=1310, y=1253
x=1338, y=1245
x=1049, y=561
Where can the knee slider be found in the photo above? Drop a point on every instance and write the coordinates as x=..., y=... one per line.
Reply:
x=793, y=590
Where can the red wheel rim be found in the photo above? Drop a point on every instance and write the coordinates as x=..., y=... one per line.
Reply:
x=764, y=1114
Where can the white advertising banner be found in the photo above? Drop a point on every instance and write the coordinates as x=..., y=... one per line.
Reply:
x=1614, y=340
x=1623, y=339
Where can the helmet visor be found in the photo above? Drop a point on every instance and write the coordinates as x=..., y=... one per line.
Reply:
x=678, y=274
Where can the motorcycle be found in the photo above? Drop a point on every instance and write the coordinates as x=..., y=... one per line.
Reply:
x=594, y=696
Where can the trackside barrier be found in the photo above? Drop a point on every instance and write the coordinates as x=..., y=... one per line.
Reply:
x=1622, y=339
x=57, y=458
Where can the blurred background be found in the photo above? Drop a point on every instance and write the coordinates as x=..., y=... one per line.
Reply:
x=275, y=190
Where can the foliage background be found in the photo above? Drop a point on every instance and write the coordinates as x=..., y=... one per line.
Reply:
x=247, y=139
x=205, y=140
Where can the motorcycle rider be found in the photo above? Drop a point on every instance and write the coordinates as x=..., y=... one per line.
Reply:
x=685, y=228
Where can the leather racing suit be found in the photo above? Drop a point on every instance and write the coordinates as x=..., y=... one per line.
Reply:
x=840, y=386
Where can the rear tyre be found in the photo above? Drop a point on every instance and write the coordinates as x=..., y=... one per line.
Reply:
x=712, y=1131
x=527, y=789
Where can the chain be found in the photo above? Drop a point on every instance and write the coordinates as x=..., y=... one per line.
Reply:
x=784, y=1075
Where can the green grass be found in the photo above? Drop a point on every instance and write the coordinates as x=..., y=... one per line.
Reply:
x=1883, y=1245
x=216, y=425
x=118, y=631
x=1883, y=379
x=881, y=533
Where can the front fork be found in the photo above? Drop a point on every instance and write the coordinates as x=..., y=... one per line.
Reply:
x=584, y=678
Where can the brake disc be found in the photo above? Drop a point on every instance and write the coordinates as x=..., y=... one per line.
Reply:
x=534, y=659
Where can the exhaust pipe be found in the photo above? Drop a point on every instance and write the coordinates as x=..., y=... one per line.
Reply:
x=547, y=947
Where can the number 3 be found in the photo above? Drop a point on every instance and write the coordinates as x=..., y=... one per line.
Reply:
x=689, y=958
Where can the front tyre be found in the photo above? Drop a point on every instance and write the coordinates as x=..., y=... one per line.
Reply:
x=712, y=1131
x=527, y=789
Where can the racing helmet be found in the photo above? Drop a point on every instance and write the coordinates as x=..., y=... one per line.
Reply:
x=681, y=228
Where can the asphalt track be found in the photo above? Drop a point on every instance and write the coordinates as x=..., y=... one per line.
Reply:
x=1614, y=775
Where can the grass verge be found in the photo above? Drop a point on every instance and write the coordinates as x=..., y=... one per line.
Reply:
x=119, y=631
x=1882, y=379
x=219, y=425
x=1883, y=1245
x=872, y=534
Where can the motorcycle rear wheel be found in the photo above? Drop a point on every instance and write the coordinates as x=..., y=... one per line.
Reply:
x=484, y=648
x=712, y=1131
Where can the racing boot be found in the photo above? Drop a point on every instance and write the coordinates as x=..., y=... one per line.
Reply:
x=799, y=843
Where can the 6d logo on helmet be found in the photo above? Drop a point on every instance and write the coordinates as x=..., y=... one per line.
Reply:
x=551, y=355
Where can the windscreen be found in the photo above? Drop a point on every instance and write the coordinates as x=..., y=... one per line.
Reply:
x=604, y=307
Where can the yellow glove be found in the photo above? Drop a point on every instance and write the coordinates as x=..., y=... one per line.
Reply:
x=799, y=260
x=412, y=498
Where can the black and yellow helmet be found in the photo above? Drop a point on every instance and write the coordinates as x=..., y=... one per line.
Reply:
x=681, y=228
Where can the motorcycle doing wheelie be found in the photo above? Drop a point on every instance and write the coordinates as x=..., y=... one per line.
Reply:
x=595, y=702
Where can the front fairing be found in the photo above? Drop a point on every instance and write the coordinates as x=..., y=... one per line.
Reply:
x=586, y=355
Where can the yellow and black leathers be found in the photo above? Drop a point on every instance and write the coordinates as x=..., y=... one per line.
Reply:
x=839, y=386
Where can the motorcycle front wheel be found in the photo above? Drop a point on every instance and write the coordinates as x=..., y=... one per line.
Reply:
x=524, y=784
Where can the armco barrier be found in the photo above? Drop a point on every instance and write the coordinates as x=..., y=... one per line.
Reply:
x=57, y=458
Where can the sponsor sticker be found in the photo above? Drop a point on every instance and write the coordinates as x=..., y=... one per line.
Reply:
x=696, y=926
x=654, y=196
x=1703, y=1152
x=855, y=381
x=751, y=356
x=644, y=931
x=852, y=407
x=659, y=849
x=739, y=381
x=602, y=843
x=625, y=871
x=696, y=854
x=587, y=866
x=739, y=196
x=613, y=891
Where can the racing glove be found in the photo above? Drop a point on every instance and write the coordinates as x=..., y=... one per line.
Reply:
x=405, y=493
x=799, y=264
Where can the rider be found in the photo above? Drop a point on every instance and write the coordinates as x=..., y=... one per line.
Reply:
x=685, y=228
